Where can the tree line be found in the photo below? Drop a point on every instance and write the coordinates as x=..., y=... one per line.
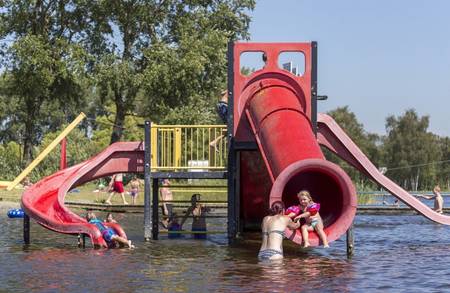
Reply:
x=165, y=60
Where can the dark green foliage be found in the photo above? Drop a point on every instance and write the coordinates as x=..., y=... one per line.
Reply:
x=409, y=148
x=366, y=141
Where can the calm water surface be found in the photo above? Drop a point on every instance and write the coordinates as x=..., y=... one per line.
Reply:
x=393, y=254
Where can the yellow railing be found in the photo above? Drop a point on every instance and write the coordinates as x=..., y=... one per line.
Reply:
x=182, y=147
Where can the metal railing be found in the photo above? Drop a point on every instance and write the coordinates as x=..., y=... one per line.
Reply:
x=188, y=147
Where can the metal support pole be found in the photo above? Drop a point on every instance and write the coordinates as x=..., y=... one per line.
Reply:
x=82, y=240
x=26, y=229
x=232, y=214
x=350, y=242
x=155, y=205
x=147, y=177
x=232, y=208
x=314, y=86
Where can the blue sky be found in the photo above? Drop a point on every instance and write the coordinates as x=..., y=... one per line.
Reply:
x=378, y=57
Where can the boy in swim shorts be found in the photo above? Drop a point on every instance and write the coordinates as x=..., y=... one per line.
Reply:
x=116, y=185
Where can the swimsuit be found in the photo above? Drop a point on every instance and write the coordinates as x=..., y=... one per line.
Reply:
x=134, y=191
x=118, y=187
x=107, y=233
x=174, y=227
x=274, y=231
x=314, y=223
x=266, y=254
x=198, y=235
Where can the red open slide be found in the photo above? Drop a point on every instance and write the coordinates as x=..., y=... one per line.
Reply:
x=334, y=138
x=44, y=201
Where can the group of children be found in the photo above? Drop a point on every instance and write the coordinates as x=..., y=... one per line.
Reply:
x=170, y=219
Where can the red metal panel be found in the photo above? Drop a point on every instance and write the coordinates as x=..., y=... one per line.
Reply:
x=243, y=84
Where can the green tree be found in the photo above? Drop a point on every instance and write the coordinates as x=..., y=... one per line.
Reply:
x=44, y=75
x=444, y=166
x=411, y=151
x=367, y=142
x=165, y=60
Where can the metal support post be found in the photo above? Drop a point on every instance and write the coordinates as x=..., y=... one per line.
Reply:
x=147, y=178
x=155, y=205
x=26, y=229
x=350, y=242
x=314, y=86
x=232, y=213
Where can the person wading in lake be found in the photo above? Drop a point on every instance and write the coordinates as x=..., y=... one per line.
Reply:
x=273, y=227
x=198, y=212
x=438, y=199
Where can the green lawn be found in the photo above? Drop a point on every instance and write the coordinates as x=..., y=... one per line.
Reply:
x=181, y=191
x=215, y=190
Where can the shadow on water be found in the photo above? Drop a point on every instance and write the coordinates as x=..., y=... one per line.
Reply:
x=393, y=253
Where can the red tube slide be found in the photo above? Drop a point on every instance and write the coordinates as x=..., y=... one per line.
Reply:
x=273, y=107
x=294, y=159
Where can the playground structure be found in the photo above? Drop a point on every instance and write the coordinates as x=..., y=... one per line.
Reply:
x=272, y=148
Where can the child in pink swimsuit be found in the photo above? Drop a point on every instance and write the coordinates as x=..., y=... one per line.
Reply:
x=309, y=211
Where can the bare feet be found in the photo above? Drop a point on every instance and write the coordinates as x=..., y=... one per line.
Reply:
x=130, y=246
x=125, y=203
x=326, y=246
x=108, y=202
x=306, y=244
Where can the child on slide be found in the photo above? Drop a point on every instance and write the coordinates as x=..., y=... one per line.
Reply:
x=309, y=211
x=108, y=234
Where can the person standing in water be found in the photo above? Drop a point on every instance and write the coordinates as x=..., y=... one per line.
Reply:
x=134, y=189
x=198, y=212
x=438, y=199
x=116, y=185
x=166, y=197
x=273, y=227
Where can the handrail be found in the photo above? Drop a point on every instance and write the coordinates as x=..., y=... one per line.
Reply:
x=46, y=151
x=188, y=147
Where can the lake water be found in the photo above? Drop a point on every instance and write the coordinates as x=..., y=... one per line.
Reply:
x=393, y=254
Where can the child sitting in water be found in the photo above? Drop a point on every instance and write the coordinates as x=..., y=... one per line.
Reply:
x=108, y=234
x=309, y=211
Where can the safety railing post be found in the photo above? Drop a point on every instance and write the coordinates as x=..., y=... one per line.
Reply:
x=147, y=178
x=177, y=147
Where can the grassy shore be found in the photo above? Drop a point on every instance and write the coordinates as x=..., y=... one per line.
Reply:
x=88, y=193
x=214, y=191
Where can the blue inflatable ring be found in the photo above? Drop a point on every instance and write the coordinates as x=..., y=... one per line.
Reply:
x=15, y=213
